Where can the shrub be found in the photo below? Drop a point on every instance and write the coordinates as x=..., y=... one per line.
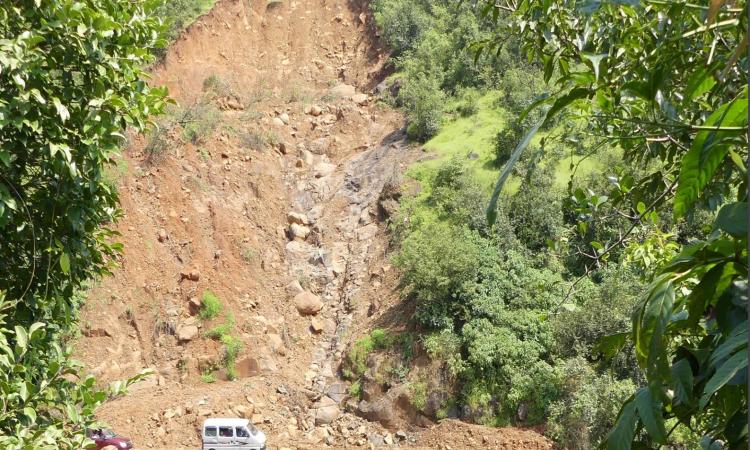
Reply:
x=232, y=348
x=355, y=389
x=506, y=141
x=210, y=307
x=467, y=102
x=401, y=22
x=219, y=331
x=179, y=14
x=208, y=377
x=356, y=359
x=418, y=394
x=535, y=211
x=588, y=407
x=424, y=102
x=247, y=253
x=380, y=339
x=437, y=260
x=158, y=144
x=215, y=86
x=199, y=121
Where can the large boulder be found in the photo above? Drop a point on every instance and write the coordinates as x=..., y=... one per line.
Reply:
x=307, y=303
x=187, y=333
x=326, y=411
x=380, y=410
x=343, y=90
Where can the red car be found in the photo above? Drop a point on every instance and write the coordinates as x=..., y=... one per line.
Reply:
x=104, y=437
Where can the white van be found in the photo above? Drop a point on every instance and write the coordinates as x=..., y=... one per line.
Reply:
x=232, y=434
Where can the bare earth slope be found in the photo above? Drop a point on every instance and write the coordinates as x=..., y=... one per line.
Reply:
x=214, y=215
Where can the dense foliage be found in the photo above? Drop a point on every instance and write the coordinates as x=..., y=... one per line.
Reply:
x=492, y=306
x=667, y=83
x=429, y=40
x=628, y=286
x=70, y=83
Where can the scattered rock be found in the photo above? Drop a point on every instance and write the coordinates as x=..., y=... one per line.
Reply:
x=319, y=146
x=276, y=343
x=284, y=117
x=317, y=324
x=299, y=218
x=377, y=411
x=161, y=235
x=187, y=333
x=401, y=435
x=343, y=90
x=283, y=148
x=192, y=274
x=361, y=99
x=376, y=439
x=308, y=158
x=307, y=303
x=316, y=110
x=367, y=232
x=194, y=305
x=168, y=414
x=248, y=367
x=326, y=411
x=294, y=288
x=338, y=392
x=324, y=169
x=299, y=232
x=388, y=439
x=245, y=411
x=278, y=122
x=232, y=103
x=96, y=332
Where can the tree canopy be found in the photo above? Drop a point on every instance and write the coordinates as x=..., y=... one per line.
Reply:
x=71, y=82
x=667, y=83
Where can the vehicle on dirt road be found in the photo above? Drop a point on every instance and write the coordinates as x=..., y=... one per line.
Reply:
x=104, y=437
x=232, y=434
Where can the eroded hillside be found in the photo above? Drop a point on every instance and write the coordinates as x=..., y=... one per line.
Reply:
x=263, y=190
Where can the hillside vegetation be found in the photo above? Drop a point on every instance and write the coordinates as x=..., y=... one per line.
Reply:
x=528, y=317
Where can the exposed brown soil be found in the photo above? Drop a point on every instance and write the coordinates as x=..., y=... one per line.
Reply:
x=213, y=216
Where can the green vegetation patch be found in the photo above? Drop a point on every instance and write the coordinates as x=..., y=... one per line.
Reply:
x=210, y=306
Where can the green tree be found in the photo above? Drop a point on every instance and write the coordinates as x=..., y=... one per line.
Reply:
x=71, y=81
x=666, y=82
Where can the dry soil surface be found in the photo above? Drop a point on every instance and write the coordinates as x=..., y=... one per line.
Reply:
x=275, y=210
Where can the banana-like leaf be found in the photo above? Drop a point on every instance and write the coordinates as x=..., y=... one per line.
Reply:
x=492, y=208
x=707, y=152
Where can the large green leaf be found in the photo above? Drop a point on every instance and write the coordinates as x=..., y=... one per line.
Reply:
x=707, y=151
x=723, y=375
x=492, y=208
x=700, y=82
x=649, y=411
x=565, y=100
x=682, y=381
x=735, y=341
x=610, y=345
x=732, y=219
x=650, y=323
x=622, y=434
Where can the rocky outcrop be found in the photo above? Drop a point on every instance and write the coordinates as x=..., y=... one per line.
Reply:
x=307, y=303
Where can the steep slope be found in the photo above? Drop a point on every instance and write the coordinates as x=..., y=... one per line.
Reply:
x=293, y=131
